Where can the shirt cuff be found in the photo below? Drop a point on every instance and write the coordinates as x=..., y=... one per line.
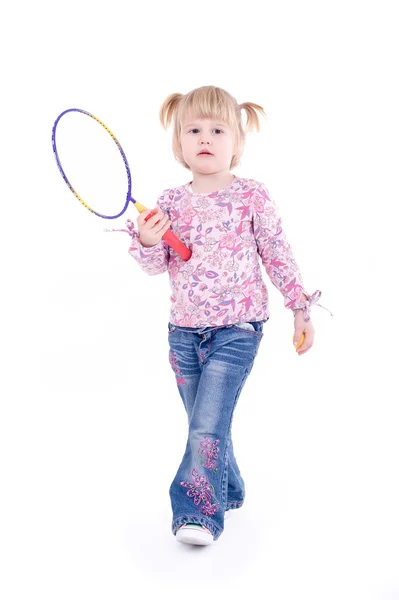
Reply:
x=306, y=306
x=129, y=229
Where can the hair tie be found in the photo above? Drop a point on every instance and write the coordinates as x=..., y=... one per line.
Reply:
x=240, y=106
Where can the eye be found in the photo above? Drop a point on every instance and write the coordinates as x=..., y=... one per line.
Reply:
x=193, y=130
x=218, y=130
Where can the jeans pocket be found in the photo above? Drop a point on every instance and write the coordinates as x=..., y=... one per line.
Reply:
x=247, y=326
x=251, y=328
x=171, y=329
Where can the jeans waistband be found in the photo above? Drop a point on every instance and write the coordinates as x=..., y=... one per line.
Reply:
x=257, y=325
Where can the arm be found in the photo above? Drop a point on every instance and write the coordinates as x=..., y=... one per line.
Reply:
x=277, y=256
x=153, y=260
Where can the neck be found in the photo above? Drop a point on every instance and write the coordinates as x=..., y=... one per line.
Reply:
x=207, y=183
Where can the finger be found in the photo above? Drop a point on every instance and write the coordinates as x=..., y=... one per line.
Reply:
x=155, y=219
x=304, y=350
x=299, y=338
x=302, y=343
x=164, y=227
x=155, y=215
x=142, y=216
x=159, y=218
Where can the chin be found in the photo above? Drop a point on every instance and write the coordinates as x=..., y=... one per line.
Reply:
x=203, y=169
x=210, y=167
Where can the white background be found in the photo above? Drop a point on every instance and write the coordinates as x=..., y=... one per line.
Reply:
x=92, y=429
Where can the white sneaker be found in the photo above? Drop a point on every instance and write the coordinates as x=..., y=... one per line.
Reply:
x=191, y=533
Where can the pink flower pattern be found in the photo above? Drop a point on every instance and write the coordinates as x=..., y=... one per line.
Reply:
x=175, y=366
x=202, y=492
x=209, y=452
x=227, y=231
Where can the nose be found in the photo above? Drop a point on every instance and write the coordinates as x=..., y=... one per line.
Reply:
x=204, y=139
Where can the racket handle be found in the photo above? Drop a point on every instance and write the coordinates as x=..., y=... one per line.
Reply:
x=177, y=245
x=170, y=238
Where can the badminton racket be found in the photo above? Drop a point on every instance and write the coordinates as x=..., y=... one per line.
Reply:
x=169, y=237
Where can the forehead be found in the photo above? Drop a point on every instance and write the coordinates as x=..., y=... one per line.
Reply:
x=189, y=121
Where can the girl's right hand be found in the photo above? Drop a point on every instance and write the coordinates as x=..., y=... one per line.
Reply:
x=151, y=231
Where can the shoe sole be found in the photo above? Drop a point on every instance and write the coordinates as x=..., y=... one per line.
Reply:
x=196, y=537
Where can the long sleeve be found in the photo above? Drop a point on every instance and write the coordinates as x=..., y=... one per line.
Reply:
x=276, y=254
x=154, y=260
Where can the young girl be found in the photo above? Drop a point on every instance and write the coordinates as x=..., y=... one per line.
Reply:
x=219, y=300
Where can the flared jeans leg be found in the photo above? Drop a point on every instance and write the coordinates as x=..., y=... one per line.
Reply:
x=211, y=367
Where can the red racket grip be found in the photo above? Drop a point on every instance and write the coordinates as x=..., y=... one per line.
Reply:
x=173, y=241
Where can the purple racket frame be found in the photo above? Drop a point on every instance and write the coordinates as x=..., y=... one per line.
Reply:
x=129, y=197
x=169, y=237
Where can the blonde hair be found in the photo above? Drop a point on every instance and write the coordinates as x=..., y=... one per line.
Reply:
x=213, y=103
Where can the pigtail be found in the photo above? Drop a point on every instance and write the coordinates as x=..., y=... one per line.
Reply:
x=169, y=109
x=253, y=121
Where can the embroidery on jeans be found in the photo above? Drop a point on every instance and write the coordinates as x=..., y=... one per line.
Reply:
x=175, y=367
x=202, y=491
x=209, y=452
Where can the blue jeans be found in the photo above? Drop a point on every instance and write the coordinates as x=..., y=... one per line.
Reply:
x=211, y=365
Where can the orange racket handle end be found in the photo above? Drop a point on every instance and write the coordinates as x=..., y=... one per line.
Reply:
x=177, y=245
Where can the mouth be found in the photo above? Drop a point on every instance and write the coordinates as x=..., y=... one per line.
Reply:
x=204, y=153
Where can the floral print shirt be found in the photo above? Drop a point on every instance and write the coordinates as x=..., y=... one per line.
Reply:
x=227, y=232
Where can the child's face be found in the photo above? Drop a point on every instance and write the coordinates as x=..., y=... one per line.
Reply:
x=211, y=136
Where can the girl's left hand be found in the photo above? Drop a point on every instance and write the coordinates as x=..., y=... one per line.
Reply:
x=306, y=328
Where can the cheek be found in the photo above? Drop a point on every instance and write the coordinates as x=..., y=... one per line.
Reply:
x=228, y=147
x=187, y=146
x=183, y=148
